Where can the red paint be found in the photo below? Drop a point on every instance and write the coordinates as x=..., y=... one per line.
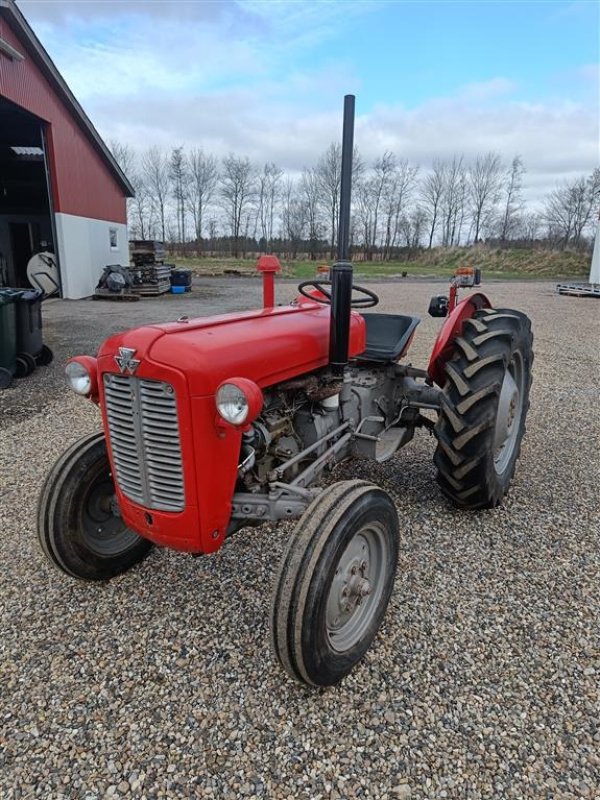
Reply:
x=265, y=347
x=269, y=266
x=82, y=181
x=452, y=297
x=452, y=327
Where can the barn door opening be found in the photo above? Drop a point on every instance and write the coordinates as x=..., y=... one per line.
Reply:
x=26, y=223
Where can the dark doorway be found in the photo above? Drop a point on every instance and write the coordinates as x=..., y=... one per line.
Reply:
x=25, y=241
x=25, y=213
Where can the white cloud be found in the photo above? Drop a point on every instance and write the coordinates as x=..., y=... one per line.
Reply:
x=222, y=76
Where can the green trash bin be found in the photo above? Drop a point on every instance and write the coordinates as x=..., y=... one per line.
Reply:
x=8, y=338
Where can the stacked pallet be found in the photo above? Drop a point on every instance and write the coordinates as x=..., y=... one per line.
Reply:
x=151, y=276
x=144, y=252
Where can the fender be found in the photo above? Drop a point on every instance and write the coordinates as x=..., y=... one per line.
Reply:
x=452, y=327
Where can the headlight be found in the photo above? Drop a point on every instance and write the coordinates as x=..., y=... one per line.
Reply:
x=239, y=401
x=232, y=404
x=78, y=378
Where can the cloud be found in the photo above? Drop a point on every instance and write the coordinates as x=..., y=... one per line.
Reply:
x=237, y=77
x=555, y=142
x=59, y=11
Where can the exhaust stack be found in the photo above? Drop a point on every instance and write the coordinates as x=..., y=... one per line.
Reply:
x=341, y=272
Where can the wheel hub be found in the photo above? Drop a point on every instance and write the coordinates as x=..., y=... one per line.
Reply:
x=355, y=588
x=103, y=528
x=508, y=416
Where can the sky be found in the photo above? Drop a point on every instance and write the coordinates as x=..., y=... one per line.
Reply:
x=266, y=78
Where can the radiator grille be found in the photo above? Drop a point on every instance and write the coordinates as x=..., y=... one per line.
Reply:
x=144, y=440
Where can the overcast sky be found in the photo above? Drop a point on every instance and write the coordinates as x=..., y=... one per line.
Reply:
x=266, y=79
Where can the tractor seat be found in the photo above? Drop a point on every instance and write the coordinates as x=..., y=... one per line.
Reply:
x=388, y=336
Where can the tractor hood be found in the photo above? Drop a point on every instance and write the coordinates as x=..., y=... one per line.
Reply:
x=266, y=346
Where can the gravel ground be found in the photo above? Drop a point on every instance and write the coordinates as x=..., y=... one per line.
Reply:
x=483, y=682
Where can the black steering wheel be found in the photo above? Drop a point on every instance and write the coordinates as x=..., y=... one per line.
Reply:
x=368, y=301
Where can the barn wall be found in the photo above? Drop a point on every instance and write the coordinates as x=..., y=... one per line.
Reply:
x=84, y=245
x=82, y=182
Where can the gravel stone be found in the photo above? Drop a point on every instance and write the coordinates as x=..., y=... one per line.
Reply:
x=483, y=682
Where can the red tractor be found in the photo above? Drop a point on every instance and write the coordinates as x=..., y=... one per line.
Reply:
x=214, y=424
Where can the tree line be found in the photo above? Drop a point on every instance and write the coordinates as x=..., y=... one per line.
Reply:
x=198, y=203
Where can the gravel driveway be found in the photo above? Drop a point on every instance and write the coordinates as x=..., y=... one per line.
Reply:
x=483, y=682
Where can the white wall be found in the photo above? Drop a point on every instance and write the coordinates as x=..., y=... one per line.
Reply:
x=84, y=250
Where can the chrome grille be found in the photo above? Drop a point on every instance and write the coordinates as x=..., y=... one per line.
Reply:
x=144, y=439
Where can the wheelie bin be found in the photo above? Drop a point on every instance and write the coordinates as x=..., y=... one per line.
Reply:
x=30, y=345
x=8, y=338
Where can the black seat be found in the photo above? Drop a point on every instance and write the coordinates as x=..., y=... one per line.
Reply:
x=387, y=336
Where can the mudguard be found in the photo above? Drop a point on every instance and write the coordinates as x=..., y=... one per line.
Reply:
x=452, y=327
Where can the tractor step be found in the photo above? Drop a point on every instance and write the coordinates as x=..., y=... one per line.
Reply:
x=389, y=442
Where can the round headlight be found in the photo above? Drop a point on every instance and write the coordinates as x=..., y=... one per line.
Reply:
x=232, y=403
x=78, y=378
x=239, y=401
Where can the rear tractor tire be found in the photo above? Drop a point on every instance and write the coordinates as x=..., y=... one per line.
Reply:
x=335, y=582
x=484, y=407
x=79, y=526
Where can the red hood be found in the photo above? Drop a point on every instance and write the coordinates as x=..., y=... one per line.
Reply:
x=267, y=346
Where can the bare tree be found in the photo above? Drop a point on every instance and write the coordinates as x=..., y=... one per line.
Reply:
x=484, y=179
x=364, y=216
x=395, y=199
x=179, y=179
x=142, y=217
x=237, y=190
x=125, y=157
x=412, y=225
x=138, y=206
x=384, y=175
x=569, y=209
x=156, y=172
x=311, y=195
x=453, y=201
x=268, y=192
x=513, y=202
x=431, y=194
x=204, y=176
x=293, y=216
x=329, y=177
x=531, y=224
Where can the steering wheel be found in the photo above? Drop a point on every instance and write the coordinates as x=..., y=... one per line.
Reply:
x=369, y=300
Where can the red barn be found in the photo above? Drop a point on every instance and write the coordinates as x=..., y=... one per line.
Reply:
x=61, y=190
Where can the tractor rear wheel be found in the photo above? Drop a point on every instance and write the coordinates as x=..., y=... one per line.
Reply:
x=335, y=583
x=79, y=525
x=484, y=407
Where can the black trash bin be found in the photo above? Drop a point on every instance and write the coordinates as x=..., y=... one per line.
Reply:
x=30, y=344
x=8, y=339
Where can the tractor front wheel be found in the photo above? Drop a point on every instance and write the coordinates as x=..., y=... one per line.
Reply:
x=484, y=406
x=79, y=526
x=335, y=583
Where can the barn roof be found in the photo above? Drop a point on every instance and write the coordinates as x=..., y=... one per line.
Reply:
x=32, y=44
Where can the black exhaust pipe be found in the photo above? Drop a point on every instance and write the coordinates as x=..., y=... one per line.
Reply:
x=341, y=272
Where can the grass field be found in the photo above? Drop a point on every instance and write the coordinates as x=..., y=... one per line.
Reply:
x=437, y=263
